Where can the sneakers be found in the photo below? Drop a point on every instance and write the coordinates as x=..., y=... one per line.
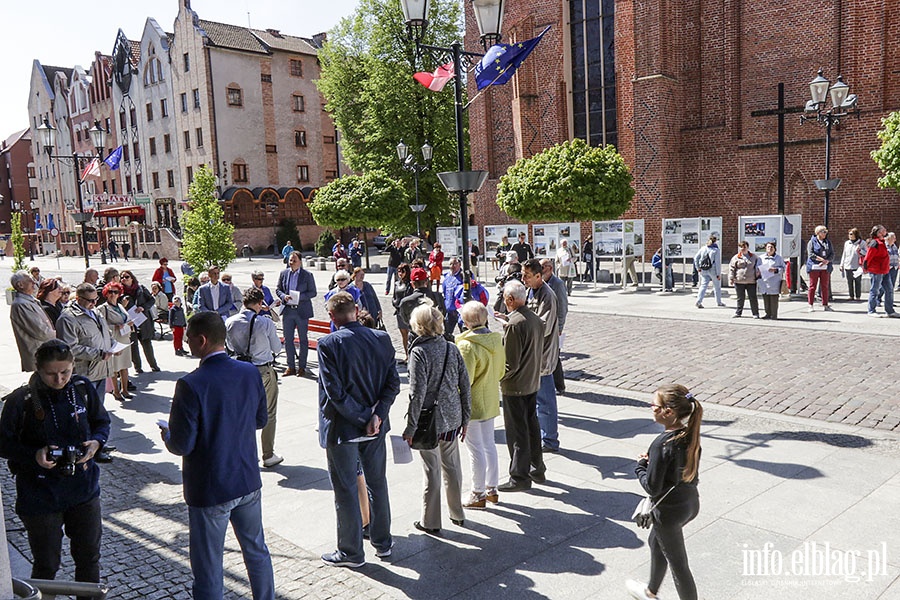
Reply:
x=476, y=500
x=514, y=486
x=811, y=308
x=874, y=314
x=638, y=590
x=722, y=304
x=828, y=308
x=384, y=553
x=894, y=315
x=698, y=305
x=272, y=461
x=336, y=560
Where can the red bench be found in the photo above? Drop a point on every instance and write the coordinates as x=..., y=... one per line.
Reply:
x=315, y=326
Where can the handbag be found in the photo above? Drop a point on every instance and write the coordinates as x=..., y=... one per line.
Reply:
x=426, y=435
x=642, y=515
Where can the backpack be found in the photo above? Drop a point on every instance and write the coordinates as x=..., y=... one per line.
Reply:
x=706, y=262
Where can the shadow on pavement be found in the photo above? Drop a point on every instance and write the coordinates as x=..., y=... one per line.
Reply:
x=300, y=477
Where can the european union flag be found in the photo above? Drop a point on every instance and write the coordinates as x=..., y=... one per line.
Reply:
x=115, y=157
x=788, y=227
x=502, y=60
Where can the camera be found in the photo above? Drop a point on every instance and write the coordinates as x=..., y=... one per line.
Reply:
x=65, y=458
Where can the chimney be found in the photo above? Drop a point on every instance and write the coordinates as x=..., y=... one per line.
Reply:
x=274, y=32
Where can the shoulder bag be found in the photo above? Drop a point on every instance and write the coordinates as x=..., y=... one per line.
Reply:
x=426, y=435
x=643, y=513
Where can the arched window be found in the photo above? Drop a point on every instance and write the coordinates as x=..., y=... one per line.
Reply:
x=153, y=73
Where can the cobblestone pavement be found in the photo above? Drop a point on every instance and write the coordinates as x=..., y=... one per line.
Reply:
x=818, y=374
x=144, y=553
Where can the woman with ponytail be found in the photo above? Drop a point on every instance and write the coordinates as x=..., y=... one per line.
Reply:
x=668, y=474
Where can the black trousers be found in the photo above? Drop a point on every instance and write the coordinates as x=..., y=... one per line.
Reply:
x=854, y=284
x=667, y=546
x=83, y=528
x=559, y=377
x=747, y=289
x=147, y=345
x=523, y=437
x=770, y=302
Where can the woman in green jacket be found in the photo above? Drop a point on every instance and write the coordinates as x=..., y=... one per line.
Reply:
x=482, y=352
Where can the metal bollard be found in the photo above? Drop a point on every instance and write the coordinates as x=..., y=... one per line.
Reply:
x=69, y=588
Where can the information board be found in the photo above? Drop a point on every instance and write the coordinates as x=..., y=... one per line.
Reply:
x=451, y=238
x=548, y=236
x=784, y=230
x=683, y=238
x=618, y=239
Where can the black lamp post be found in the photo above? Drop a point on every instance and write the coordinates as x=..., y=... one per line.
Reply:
x=843, y=104
x=410, y=164
x=98, y=138
x=489, y=16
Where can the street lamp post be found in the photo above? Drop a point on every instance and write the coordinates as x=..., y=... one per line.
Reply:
x=410, y=164
x=489, y=16
x=843, y=104
x=47, y=134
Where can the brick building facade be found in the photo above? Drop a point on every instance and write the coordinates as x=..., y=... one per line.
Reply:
x=688, y=75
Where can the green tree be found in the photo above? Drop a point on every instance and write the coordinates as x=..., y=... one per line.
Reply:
x=325, y=243
x=571, y=181
x=208, y=240
x=369, y=200
x=367, y=68
x=887, y=157
x=287, y=231
x=18, y=240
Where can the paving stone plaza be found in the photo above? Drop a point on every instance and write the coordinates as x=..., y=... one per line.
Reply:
x=797, y=479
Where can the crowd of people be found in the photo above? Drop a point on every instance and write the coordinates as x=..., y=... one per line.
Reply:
x=465, y=371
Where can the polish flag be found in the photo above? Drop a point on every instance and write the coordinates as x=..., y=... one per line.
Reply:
x=437, y=80
x=92, y=169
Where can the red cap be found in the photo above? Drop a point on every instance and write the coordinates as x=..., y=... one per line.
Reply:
x=418, y=275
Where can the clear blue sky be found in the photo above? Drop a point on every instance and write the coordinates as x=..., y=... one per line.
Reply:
x=66, y=33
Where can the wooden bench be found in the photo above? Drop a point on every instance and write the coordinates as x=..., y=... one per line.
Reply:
x=315, y=326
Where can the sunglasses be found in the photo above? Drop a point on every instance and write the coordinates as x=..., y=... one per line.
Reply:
x=125, y=277
x=89, y=300
x=226, y=280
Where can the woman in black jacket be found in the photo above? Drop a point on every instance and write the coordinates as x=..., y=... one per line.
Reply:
x=402, y=289
x=49, y=294
x=143, y=301
x=668, y=474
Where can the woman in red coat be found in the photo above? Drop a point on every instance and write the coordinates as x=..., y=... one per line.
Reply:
x=165, y=277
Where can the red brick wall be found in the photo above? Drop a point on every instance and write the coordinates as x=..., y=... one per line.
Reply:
x=689, y=74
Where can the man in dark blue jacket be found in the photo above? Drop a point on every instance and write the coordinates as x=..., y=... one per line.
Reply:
x=215, y=413
x=296, y=288
x=358, y=382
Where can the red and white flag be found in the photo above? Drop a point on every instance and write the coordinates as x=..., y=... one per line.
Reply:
x=92, y=169
x=437, y=80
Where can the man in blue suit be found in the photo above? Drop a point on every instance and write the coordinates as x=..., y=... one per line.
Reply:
x=215, y=413
x=358, y=382
x=215, y=296
x=297, y=312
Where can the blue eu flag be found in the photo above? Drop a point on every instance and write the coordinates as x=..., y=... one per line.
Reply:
x=502, y=60
x=115, y=157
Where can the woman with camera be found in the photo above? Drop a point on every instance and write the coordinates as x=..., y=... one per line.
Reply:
x=50, y=430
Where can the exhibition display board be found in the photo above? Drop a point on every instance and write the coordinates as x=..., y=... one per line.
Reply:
x=618, y=239
x=493, y=236
x=451, y=239
x=683, y=238
x=784, y=230
x=547, y=238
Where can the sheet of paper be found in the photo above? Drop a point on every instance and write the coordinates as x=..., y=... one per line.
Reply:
x=135, y=316
x=117, y=347
x=767, y=274
x=401, y=450
x=295, y=297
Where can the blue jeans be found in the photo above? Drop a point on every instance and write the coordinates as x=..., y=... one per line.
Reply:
x=391, y=273
x=705, y=278
x=207, y=525
x=290, y=321
x=881, y=283
x=342, y=461
x=546, y=412
x=892, y=274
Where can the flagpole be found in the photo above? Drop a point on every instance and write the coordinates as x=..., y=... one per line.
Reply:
x=461, y=166
x=484, y=88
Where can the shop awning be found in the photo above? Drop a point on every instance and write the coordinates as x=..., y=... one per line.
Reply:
x=135, y=212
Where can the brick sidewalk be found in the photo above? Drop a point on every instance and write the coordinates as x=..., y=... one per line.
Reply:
x=144, y=552
x=795, y=372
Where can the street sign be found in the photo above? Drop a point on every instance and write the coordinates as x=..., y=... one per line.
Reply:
x=54, y=232
x=82, y=217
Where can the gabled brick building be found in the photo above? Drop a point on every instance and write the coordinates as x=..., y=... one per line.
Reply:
x=673, y=86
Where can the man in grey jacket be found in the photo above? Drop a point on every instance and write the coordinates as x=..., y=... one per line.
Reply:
x=542, y=302
x=87, y=335
x=31, y=325
x=522, y=339
x=562, y=311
